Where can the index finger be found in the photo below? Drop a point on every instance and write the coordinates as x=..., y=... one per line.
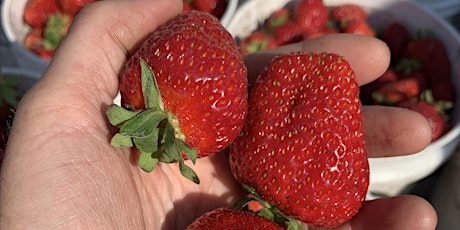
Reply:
x=369, y=57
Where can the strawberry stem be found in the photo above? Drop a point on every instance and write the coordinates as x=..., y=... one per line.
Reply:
x=154, y=131
x=268, y=211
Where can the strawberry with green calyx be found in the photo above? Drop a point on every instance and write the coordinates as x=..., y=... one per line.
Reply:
x=302, y=146
x=55, y=30
x=203, y=85
x=256, y=204
x=230, y=219
x=151, y=130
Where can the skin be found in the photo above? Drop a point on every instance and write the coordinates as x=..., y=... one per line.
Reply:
x=60, y=171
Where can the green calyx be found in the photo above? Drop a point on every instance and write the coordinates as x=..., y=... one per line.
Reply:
x=8, y=94
x=55, y=30
x=268, y=211
x=152, y=131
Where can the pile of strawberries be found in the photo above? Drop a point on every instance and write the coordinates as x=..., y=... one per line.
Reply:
x=419, y=77
x=49, y=21
x=303, y=20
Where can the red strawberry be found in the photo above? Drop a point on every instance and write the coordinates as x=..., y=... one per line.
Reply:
x=257, y=41
x=186, y=6
x=277, y=19
x=396, y=36
x=71, y=7
x=288, y=33
x=203, y=87
x=358, y=27
x=302, y=146
x=368, y=89
x=214, y=7
x=36, y=12
x=348, y=12
x=431, y=53
x=228, y=219
x=400, y=90
x=311, y=15
x=438, y=125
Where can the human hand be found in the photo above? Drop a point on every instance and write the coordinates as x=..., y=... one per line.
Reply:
x=61, y=172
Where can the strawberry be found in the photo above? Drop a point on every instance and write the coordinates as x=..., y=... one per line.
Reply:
x=302, y=145
x=358, y=27
x=214, y=7
x=431, y=53
x=43, y=41
x=396, y=91
x=348, y=12
x=184, y=92
x=368, y=89
x=438, y=124
x=186, y=6
x=229, y=219
x=276, y=19
x=36, y=12
x=72, y=7
x=396, y=36
x=204, y=5
x=257, y=41
x=311, y=15
x=288, y=33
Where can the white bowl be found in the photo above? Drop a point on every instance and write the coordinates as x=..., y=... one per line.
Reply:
x=16, y=29
x=388, y=176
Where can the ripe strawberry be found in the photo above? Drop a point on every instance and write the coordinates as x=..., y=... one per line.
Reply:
x=396, y=36
x=36, y=12
x=72, y=7
x=186, y=6
x=358, y=27
x=348, y=12
x=204, y=5
x=302, y=146
x=311, y=15
x=438, y=125
x=400, y=90
x=368, y=89
x=431, y=53
x=257, y=41
x=203, y=86
x=288, y=33
x=44, y=41
x=214, y=7
x=229, y=219
x=276, y=19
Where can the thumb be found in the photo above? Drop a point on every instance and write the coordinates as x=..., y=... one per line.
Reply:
x=85, y=67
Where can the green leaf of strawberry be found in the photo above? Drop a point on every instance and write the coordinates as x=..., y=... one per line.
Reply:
x=151, y=130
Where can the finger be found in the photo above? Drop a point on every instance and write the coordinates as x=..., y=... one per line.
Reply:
x=397, y=213
x=391, y=131
x=369, y=57
x=103, y=35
